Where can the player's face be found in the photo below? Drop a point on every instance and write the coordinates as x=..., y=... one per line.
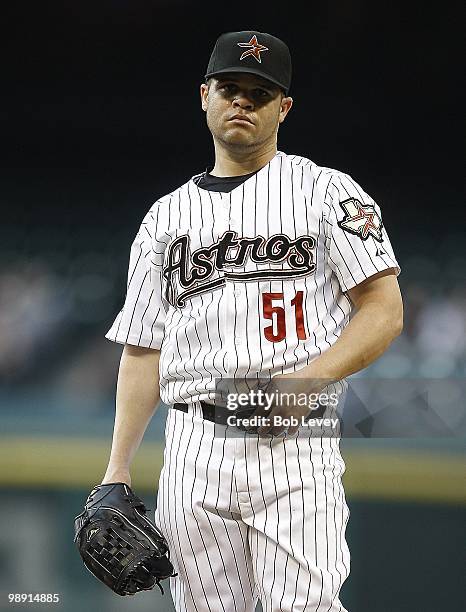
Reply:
x=244, y=110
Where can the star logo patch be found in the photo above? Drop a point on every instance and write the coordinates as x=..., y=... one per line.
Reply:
x=253, y=48
x=361, y=220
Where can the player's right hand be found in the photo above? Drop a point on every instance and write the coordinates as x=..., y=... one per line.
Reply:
x=298, y=384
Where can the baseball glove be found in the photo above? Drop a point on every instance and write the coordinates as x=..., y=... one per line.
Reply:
x=118, y=543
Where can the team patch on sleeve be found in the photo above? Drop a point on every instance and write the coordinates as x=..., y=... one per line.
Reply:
x=361, y=220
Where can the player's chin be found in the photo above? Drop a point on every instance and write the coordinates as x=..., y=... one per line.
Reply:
x=240, y=131
x=235, y=139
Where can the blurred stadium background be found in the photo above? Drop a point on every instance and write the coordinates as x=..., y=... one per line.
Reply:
x=99, y=118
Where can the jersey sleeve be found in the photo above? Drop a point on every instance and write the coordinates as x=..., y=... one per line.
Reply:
x=141, y=321
x=357, y=241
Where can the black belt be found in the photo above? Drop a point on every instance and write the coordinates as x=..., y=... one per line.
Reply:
x=210, y=412
x=219, y=414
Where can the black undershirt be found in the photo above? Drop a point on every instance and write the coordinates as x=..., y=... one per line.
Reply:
x=225, y=184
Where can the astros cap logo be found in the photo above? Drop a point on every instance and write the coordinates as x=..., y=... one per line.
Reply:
x=254, y=48
x=226, y=57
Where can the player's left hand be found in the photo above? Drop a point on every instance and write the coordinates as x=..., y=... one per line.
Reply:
x=118, y=543
x=279, y=415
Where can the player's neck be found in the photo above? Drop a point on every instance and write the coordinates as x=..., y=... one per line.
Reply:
x=237, y=163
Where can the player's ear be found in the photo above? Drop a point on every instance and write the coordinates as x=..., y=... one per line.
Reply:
x=285, y=105
x=204, y=96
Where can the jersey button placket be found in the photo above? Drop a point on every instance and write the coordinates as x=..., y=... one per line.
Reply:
x=228, y=312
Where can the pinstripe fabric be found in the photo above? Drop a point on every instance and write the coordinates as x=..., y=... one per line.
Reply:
x=250, y=517
x=219, y=333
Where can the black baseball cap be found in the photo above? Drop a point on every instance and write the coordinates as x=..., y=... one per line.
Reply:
x=255, y=52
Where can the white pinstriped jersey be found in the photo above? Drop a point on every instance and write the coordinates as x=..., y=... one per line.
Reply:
x=249, y=283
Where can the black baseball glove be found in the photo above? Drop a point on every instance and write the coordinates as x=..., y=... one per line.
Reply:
x=118, y=543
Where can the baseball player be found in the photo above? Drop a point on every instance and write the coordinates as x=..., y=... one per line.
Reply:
x=264, y=267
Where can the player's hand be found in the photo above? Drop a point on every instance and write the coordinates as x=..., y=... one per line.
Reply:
x=279, y=415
